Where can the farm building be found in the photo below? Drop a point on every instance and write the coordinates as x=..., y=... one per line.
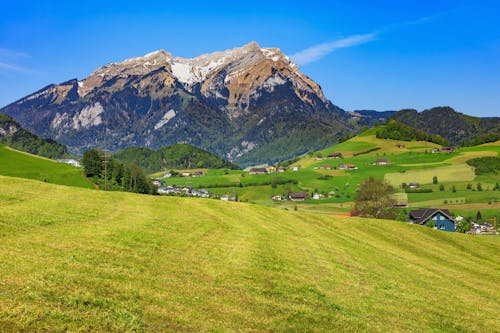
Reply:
x=382, y=161
x=258, y=171
x=335, y=155
x=298, y=196
x=347, y=167
x=440, y=218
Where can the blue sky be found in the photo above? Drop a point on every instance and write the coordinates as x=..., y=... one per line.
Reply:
x=383, y=55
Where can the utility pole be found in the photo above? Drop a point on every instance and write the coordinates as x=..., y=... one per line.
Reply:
x=106, y=155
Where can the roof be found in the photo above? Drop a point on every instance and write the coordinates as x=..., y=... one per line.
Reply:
x=421, y=215
x=334, y=154
x=298, y=195
x=258, y=170
x=382, y=160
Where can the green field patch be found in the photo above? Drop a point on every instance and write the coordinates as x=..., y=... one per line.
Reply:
x=20, y=164
x=424, y=176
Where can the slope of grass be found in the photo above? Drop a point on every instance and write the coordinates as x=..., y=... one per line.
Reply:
x=20, y=164
x=86, y=260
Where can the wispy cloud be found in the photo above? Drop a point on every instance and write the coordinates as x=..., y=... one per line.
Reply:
x=8, y=59
x=12, y=54
x=317, y=52
x=6, y=67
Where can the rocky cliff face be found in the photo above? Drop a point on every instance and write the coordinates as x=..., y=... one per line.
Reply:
x=232, y=103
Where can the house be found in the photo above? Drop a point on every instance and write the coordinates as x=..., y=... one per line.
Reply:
x=228, y=198
x=281, y=169
x=483, y=229
x=335, y=155
x=186, y=174
x=318, y=196
x=198, y=174
x=440, y=218
x=298, y=196
x=435, y=150
x=382, y=161
x=325, y=167
x=70, y=161
x=167, y=175
x=319, y=157
x=258, y=171
x=277, y=198
x=271, y=169
x=157, y=182
x=448, y=150
x=347, y=167
x=296, y=168
x=413, y=185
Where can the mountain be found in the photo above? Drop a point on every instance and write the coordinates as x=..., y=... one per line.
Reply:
x=12, y=134
x=369, y=117
x=454, y=126
x=177, y=156
x=248, y=99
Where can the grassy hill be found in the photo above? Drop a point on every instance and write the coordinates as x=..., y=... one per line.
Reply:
x=86, y=260
x=19, y=164
x=13, y=135
x=454, y=126
x=178, y=156
x=411, y=161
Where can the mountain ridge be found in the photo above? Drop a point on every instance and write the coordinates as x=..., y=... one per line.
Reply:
x=229, y=103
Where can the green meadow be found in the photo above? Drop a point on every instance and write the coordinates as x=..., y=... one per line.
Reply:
x=410, y=162
x=15, y=163
x=82, y=260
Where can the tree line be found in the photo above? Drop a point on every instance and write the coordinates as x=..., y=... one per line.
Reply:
x=111, y=174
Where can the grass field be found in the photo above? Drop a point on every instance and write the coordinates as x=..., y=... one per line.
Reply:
x=85, y=260
x=445, y=174
x=20, y=164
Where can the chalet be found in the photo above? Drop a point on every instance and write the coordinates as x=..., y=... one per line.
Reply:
x=157, y=182
x=448, y=150
x=296, y=168
x=186, y=174
x=198, y=174
x=483, y=229
x=413, y=185
x=271, y=169
x=319, y=157
x=347, y=167
x=335, y=155
x=167, y=175
x=325, y=167
x=258, y=171
x=281, y=169
x=441, y=218
x=318, y=196
x=298, y=196
x=228, y=198
x=382, y=161
x=277, y=198
x=435, y=150
x=70, y=161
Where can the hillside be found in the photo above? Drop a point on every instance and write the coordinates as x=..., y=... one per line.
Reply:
x=454, y=126
x=408, y=161
x=244, y=100
x=84, y=260
x=178, y=156
x=14, y=163
x=13, y=135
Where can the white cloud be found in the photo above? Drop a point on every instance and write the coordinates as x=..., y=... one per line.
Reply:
x=319, y=51
x=8, y=56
